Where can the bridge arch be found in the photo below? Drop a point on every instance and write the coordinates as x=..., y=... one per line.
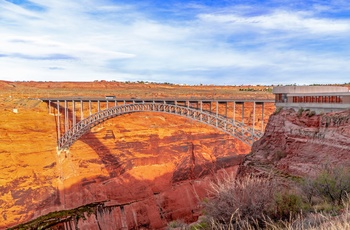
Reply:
x=236, y=129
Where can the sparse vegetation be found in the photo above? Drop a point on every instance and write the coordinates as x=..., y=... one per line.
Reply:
x=260, y=203
x=332, y=185
x=278, y=110
x=248, y=199
x=300, y=112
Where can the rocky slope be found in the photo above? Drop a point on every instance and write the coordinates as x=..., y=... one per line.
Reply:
x=299, y=143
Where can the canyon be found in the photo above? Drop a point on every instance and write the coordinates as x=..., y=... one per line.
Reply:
x=144, y=170
x=139, y=170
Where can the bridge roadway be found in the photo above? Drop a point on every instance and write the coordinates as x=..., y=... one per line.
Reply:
x=220, y=113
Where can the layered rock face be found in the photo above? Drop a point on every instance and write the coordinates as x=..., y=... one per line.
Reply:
x=139, y=170
x=301, y=143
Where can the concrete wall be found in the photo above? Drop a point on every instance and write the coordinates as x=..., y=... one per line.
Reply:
x=317, y=107
x=309, y=89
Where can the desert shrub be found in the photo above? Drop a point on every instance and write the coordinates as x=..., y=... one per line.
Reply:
x=247, y=199
x=332, y=184
x=178, y=224
x=300, y=112
x=278, y=110
x=279, y=155
x=288, y=205
x=311, y=113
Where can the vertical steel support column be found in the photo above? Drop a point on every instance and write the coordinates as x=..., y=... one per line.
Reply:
x=90, y=108
x=201, y=110
x=58, y=120
x=188, y=104
x=217, y=113
x=98, y=105
x=262, y=120
x=242, y=112
x=226, y=109
x=65, y=116
x=210, y=106
x=81, y=110
x=253, y=119
x=49, y=106
x=73, y=113
x=107, y=104
x=234, y=112
x=115, y=103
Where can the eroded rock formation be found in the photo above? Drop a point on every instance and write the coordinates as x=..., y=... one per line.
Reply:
x=300, y=143
x=134, y=171
x=137, y=170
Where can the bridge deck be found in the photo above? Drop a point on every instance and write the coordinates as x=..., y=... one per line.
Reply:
x=102, y=99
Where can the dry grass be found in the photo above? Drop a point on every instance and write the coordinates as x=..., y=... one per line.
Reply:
x=312, y=221
x=249, y=198
x=252, y=203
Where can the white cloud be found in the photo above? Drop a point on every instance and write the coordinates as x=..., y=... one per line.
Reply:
x=282, y=20
x=110, y=41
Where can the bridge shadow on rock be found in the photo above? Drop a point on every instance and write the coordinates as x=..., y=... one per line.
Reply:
x=111, y=162
x=136, y=200
x=159, y=176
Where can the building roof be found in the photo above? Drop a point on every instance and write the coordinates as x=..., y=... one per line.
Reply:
x=309, y=89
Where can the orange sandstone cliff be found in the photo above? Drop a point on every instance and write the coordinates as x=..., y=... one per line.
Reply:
x=139, y=170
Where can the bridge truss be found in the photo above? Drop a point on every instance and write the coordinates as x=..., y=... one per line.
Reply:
x=72, y=124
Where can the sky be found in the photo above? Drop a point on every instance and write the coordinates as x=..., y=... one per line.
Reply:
x=222, y=42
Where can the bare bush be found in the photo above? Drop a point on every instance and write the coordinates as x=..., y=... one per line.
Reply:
x=246, y=198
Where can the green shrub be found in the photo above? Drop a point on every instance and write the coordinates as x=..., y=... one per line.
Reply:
x=300, y=112
x=278, y=110
x=333, y=184
x=288, y=205
x=177, y=224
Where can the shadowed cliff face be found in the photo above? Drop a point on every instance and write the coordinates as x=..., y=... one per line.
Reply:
x=301, y=144
x=149, y=168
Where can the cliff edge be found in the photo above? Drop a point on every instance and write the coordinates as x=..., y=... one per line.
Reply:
x=300, y=143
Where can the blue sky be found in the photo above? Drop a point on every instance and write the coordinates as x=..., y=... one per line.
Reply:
x=230, y=42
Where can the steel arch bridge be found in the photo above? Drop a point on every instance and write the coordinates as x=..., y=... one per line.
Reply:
x=196, y=109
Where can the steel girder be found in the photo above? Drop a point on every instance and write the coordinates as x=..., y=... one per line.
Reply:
x=238, y=130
